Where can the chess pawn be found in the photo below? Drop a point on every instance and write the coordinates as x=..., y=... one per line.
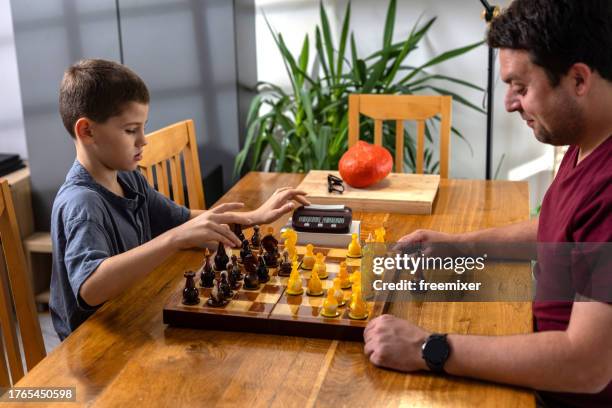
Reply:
x=354, y=248
x=315, y=287
x=191, y=294
x=379, y=242
x=294, y=284
x=237, y=230
x=358, y=309
x=338, y=292
x=320, y=267
x=343, y=276
x=231, y=276
x=207, y=275
x=262, y=271
x=225, y=286
x=221, y=258
x=308, y=260
x=216, y=298
x=330, y=305
x=236, y=275
x=380, y=233
x=251, y=279
x=269, y=243
x=256, y=238
x=285, y=267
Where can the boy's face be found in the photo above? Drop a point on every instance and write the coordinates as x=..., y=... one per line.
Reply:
x=117, y=143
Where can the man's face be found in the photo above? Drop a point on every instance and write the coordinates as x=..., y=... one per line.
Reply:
x=553, y=113
x=118, y=142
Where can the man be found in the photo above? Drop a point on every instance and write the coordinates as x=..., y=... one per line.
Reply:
x=555, y=57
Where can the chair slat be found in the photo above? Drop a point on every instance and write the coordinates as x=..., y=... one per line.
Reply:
x=177, y=180
x=420, y=152
x=378, y=132
x=9, y=334
x=399, y=146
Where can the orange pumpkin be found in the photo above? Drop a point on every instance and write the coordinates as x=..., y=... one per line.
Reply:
x=365, y=164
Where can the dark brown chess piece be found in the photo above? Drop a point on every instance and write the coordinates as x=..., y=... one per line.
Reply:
x=207, y=275
x=262, y=271
x=216, y=296
x=221, y=258
x=285, y=266
x=237, y=230
x=225, y=287
x=256, y=238
x=251, y=279
x=270, y=245
x=245, y=250
x=191, y=294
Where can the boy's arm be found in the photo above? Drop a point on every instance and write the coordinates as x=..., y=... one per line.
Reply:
x=115, y=274
x=576, y=360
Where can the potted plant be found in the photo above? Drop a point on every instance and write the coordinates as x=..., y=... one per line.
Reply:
x=306, y=127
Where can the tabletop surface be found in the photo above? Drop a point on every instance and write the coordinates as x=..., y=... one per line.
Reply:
x=125, y=356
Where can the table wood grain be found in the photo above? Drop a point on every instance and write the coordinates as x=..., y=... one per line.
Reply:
x=125, y=356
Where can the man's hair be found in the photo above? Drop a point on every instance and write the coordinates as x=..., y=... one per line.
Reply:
x=558, y=34
x=98, y=89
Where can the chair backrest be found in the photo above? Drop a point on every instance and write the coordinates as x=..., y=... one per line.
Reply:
x=16, y=299
x=163, y=152
x=400, y=108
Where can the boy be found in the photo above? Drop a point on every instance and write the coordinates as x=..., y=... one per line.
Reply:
x=109, y=227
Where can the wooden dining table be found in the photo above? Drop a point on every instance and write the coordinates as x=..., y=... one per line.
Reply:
x=125, y=356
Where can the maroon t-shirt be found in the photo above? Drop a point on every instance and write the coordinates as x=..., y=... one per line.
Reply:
x=577, y=208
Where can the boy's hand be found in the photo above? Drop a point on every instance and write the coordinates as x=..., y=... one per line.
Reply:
x=278, y=204
x=211, y=226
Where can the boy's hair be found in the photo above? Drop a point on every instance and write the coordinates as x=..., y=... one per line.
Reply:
x=558, y=34
x=98, y=89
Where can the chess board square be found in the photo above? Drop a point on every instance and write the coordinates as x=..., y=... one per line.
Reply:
x=239, y=306
x=264, y=308
x=246, y=295
x=271, y=288
x=267, y=297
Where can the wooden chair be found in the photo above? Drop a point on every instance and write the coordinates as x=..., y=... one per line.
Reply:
x=163, y=152
x=15, y=295
x=401, y=108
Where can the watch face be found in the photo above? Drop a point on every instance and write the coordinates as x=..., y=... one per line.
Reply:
x=436, y=350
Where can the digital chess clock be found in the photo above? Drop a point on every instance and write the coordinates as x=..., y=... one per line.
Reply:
x=322, y=218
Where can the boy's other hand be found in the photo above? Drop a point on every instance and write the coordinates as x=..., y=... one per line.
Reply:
x=281, y=202
x=211, y=226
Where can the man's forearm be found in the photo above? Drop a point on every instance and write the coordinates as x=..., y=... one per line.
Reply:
x=117, y=273
x=544, y=361
x=515, y=241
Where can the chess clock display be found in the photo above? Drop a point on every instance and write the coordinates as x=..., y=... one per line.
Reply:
x=322, y=218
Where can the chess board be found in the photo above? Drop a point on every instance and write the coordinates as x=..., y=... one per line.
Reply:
x=271, y=310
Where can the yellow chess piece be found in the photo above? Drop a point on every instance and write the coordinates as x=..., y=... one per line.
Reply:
x=343, y=276
x=356, y=280
x=330, y=305
x=320, y=266
x=358, y=308
x=380, y=233
x=338, y=292
x=290, y=237
x=294, y=284
x=354, y=248
x=308, y=260
x=315, y=287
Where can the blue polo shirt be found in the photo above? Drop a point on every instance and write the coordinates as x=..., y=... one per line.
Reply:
x=89, y=224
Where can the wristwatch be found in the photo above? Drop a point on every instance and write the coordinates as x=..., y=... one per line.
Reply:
x=435, y=352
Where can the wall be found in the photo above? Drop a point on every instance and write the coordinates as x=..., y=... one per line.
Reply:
x=12, y=133
x=458, y=24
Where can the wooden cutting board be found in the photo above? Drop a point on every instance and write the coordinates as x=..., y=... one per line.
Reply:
x=397, y=193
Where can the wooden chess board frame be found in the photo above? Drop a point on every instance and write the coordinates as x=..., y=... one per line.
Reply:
x=270, y=310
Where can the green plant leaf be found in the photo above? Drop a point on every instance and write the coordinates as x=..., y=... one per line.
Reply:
x=343, y=38
x=329, y=45
x=389, y=24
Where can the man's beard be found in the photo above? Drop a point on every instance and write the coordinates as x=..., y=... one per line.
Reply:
x=566, y=127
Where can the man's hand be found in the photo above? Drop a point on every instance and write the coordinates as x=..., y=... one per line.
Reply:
x=430, y=243
x=211, y=226
x=281, y=202
x=394, y=343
